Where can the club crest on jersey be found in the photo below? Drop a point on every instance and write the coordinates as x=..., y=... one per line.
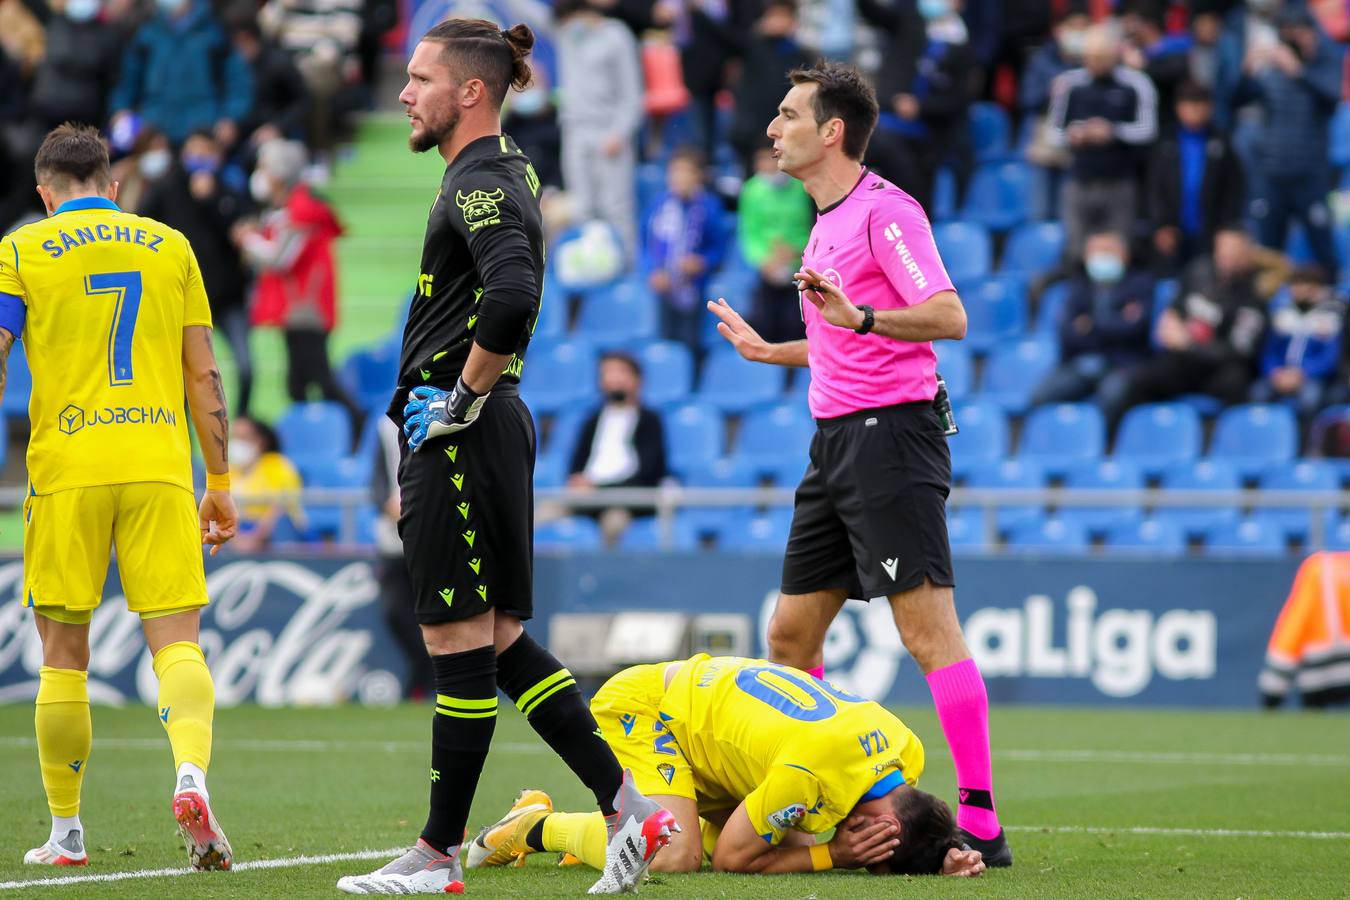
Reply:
x=666, y=771
x=834, y=278
x=480, y=207
x=788, y=816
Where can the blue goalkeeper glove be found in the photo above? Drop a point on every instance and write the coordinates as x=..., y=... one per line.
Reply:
x=432, y=412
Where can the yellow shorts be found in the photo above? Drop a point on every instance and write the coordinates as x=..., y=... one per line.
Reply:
x=68, y=537
x=627, y=710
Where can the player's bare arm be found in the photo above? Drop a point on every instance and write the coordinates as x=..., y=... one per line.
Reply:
x=940, y=317
x=6, y=344
x=217, y=517
x=859, y=841
x=748, y=342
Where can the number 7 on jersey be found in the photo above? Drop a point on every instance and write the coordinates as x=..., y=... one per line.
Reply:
x=125, y=289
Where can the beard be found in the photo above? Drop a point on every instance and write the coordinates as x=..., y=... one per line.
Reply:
x=432, y=135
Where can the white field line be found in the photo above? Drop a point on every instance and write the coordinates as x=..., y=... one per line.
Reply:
x=1185, y=832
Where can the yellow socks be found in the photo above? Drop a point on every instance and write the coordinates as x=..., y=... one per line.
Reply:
x=64, y=736
x=581, y=834
x=186, y=702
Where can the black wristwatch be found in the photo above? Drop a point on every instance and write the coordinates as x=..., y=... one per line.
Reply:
x=869, y=319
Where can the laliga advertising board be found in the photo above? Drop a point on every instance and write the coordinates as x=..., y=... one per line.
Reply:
x=1046, y=630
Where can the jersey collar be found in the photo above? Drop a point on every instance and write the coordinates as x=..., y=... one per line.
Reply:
x=835, y=205
x=486, y=146
x=883, y=787
x=80, y=203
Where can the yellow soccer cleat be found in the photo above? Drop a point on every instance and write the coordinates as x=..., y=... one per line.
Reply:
x=504, y=843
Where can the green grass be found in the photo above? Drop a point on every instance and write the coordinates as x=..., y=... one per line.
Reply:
x=363, y=786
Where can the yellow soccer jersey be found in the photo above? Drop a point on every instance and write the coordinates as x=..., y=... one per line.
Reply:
x=106, y=296
x=799, y=751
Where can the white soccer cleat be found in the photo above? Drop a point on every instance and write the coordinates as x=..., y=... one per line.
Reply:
x=207, y=846
x=503, y=843
x=422, y=870
x=69, y=851
x=638, y=829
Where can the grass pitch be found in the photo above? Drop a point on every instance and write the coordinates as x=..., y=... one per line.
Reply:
x=1118, y=803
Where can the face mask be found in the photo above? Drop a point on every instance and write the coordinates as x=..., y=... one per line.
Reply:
x=81, y=10
x=616, y=396
x=1071, y=43
x=244, y=453
x=934, y=9
x=1105, y=268
x=530, y=103
x=169, y=7
x=195, y=164
x=154, y=163
x=260, y=186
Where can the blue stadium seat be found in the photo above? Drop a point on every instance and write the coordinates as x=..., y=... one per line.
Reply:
x=770, y=437
x=996, y=310
x=667, y=373
x=564, y=429
x=1340, y=136
x=727, y=472
x=965, y=248
x=1311, y=477
x=957, y=368
x=1153, y=536
x=990, y=130
x=1201, y=475
x=550, y=471
x=694, y=436
x=1048, y=535
x=1156, y=436
x=1103, y=474
x=999, y=196
x=370, y=375
x=559, y=376
x=1050, y=310
x=1033, y=248
x=751, y=530
x=578, y=533
x=553, y=312
x=944, y=196
x=1061, y=434
x=18, y=383
x=326, y=521
x=314, y=432
x=1248, y=537
x=983, y=436
x=619, y=315
x=734, y=385
x=644, y=534
x=1254, y=435
x=736, y=286
x=966, y=530
x=1014, y=370
x=1010, y=473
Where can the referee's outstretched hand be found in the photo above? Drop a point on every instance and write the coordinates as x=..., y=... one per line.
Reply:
x=738, y=332
x=829, y=298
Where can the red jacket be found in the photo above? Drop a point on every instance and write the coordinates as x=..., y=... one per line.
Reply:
x=301, y=291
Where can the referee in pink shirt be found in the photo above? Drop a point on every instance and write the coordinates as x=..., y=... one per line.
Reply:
x=870, y=513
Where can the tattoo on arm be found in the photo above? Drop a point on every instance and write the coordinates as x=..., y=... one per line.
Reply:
x=6, y=344
x=221, y=416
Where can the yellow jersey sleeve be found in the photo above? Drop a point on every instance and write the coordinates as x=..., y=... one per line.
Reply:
x=196, y=307
x=9, y=268
x=782, y=801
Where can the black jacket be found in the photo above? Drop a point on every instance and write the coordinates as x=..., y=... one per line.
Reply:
x=1125, y=98
x=1227, y=319
x=1120, y=339
x=206, y=224
x=1222, y=191
x=649, y=440
x=279, y=94
x=77, y=72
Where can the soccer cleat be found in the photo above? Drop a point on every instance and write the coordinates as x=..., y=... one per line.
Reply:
x=69, y=851
x=638, y=829
x=422, y=870
x=207, y=846
x=996, y=852
x=504, y=843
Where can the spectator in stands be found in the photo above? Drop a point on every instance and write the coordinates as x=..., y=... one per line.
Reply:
x=709, y=33
x=292, y=254
x=600, y=112
x=78, y=67
x=195, y=198
x=280, y=101
x=1296, y=82
x=1210, y=335
x=265, y=481
x=925, y=85
x=1248, y=29
x=1104, y=113
x=1206, y=27
x=181, y=73
x=532, y=121
x=147, y=164
x=770, y=53
x=1164, y=58
x=1106, y=321
x=1062, y=52
x=683, y=244
x=1303, y=346
x=621, y=444
x=1195, y=183
x=773, y=224
x=830, y=28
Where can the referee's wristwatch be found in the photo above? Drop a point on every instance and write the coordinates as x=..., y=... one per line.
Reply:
x=869, y=320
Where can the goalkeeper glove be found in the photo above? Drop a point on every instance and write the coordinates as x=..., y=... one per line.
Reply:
x=432, y=412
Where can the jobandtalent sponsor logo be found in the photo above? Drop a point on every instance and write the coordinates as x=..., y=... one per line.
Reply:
x=74, y=418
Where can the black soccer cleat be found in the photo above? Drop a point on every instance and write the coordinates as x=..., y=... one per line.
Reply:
x=996, y=852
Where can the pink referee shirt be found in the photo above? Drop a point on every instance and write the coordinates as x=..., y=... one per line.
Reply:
x=877, y=245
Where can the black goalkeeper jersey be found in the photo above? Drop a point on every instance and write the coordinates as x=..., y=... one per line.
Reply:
x=482, y=269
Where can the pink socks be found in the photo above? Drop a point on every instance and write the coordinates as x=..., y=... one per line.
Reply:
x=963, y=709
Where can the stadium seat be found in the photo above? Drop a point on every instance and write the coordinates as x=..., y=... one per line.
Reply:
x=1250, y=536
x=312, y=433
x=619, y=315
x=996, y=310
x=1051, y=534
x=553, y=311
x=1337, y=533
x=1010, y=473
x=370, y=376
x=1340, y=136
x=1253, y=436
x=558, y=376
x=957, y=368
x=966, y=529
x=1033, y=248
x=734, y=385
x=1156, y=436
x=564, y=429
x=1312, y=477
x=1014, y=370
x=983, y=436
x=1201, y=475
x=694, y=436
x=999, y=196
x=667, y=373
x=1050, y=310
x=550, y=471
x=18, y=383
x=1156, y=537
x=990, y=130
x=572, y=533
x=645, y=534
x=1103, y=474
x=767, y=531
x=944, y=196
x=965, y=248
x=326, y=521
x=734, y=285
x=728, y=472
x=1058, y=435
x=771, y=437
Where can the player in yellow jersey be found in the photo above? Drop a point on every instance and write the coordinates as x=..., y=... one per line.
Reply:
x=768, y=756
x=116, y=327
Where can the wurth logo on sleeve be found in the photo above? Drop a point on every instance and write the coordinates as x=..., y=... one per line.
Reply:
x=893, y=234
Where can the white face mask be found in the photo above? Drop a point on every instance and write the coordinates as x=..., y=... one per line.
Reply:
x=81, y=10
x=260, y=186
x=244, y=453
x=154, y=163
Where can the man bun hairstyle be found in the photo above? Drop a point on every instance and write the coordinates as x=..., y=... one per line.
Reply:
x=72, y=154
x=477, y=48
x=842, y=93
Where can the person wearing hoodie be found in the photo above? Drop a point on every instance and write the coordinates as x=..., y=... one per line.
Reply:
x=1303, y=345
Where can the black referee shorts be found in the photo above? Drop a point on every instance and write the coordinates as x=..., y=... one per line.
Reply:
x=870, y=513
x=467, y=520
